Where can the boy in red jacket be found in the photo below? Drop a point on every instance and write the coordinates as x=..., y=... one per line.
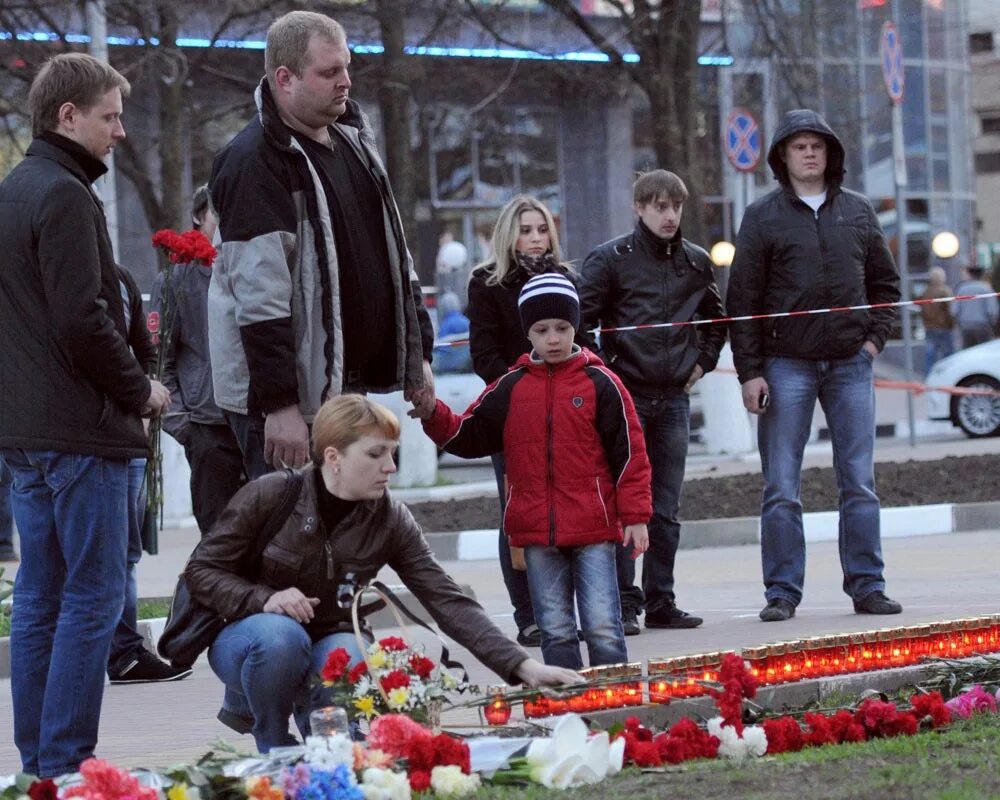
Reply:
x=577, y=473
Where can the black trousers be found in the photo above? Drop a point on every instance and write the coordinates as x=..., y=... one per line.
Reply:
x=216, y=470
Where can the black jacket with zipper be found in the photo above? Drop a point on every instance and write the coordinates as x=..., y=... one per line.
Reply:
x=68, y=380
x=640, y=279
x=791, y=259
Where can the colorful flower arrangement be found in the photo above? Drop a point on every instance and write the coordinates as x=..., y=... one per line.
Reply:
x=394, y=678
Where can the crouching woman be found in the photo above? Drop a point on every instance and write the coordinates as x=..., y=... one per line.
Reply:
x=283, y=610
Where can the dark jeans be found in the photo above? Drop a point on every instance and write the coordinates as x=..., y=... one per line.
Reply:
x=216, y=462
x=71, y=513
x=127, y=641
x=666, y=422
x=515, y=580
x=249, y=433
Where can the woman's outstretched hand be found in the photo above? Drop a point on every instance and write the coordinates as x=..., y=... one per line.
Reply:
x=534, y=673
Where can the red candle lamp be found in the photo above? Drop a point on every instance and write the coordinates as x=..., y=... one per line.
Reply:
x=497, y=711
x=756, y=657
x=660, y=680
x=631, y=689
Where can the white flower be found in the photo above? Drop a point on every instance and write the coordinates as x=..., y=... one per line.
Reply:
x=731, y=745
x=756, y=740
x=384, y=784
x=569, y=758
x=452, y=782
x=363, y=686
x=327, y=752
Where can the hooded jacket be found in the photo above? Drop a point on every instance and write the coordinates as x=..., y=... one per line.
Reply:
x=68, y=380
x=317, y=561
x=276, y=333
x=790, y=259
x=576, y=459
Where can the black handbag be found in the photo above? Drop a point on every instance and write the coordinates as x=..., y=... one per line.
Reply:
x=192, y=627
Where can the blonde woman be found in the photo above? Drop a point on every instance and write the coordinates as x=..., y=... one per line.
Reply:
x=525, y=243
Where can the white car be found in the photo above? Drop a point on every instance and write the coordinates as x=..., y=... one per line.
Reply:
x=975, y=368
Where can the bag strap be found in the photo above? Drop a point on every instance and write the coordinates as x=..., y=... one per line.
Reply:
x=399, y=609
x=280, y=513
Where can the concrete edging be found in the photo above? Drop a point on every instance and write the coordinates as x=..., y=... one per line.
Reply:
x=820, y=526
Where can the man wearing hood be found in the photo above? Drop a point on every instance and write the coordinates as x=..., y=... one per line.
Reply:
x=315, y=292
x=649, y=276
x=812, y=244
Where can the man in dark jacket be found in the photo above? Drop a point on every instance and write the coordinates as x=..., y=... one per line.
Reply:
x=71, y=396
x=315, y=293
x=651, y=276
x=811, y=244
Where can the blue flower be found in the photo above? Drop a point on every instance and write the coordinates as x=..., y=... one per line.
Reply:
x=335, y=784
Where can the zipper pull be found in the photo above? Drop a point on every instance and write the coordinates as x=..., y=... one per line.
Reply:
x=328, y=549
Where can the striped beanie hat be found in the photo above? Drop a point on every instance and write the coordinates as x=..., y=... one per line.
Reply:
x=549, y=296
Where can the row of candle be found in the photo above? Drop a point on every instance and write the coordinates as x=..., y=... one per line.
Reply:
x=686, y=676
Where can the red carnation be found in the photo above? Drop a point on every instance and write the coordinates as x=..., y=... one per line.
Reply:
x=357, y=672
x=449, y=751
x=783, y=735
x=672, y=750
x=646, y=754
x=392, y=643
x=632, y=723
x=421, y=666
x=43, y=790
x=420, y=780
x=397, y=679
x=820, y=732
x=845, y=728
x=420, y=754
x=931, y=705
x=336, y=665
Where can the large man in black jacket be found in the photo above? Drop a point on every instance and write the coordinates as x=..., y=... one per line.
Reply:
x=71, y=395
x=651, y=276
x=811, y=244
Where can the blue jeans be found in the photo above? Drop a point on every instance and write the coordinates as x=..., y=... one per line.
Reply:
x=515, y=580
x=270, y=667
x=557, y=576
x=127, y=641
x=249, y=433
x=6, y=517
x=68, y=595
x=845, y=390
x=937, y=345
x=666, y=427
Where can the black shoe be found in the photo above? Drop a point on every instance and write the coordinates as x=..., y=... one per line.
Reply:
x=530, y=636
x=876, y=603
x=777, y=610
x=670, y=616
x=630, y=621
x=242, y=724
x=147, y=668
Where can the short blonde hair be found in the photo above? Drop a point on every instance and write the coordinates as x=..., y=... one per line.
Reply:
x=288, y=40
x=340, y=422
x=75, y=78
x=501, y=260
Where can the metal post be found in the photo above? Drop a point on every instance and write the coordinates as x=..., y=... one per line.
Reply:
x=900, y=177
x=106, y=187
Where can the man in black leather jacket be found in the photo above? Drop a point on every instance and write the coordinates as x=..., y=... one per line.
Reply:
x=811, y=244
x=653, y=275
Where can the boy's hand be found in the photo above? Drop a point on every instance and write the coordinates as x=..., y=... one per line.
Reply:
x=422, y=410
x=696, y=375
x=638, y=537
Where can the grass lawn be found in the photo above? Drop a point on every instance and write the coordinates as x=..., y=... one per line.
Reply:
x=149, y=608
x=960, y=763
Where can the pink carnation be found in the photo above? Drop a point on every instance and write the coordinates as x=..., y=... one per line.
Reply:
x=974, y=700
x=392, y=733
x=102, y=781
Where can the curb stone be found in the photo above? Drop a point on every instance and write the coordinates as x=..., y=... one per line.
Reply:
x=820, y=526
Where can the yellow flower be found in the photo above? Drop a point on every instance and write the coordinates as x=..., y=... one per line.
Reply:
x=179, y=791
x=376, y=660
x=398, y=698
x=366, y=706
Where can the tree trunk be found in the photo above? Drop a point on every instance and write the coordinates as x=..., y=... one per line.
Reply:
x=171, y=147
x=394, y=101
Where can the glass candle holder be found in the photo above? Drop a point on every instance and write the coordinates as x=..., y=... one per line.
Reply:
x=329, y=721
x=497, y=712
x=756, y=657
x=659, y=680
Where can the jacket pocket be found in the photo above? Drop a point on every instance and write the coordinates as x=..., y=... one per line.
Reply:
x=526, y=512
x=603, y=506
x=281, y=568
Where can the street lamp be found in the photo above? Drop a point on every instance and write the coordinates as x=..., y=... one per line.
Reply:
x=945, y=245
x=722, y=254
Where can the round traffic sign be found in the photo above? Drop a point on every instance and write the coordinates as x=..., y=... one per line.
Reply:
x=742, y=140
x=891, y=55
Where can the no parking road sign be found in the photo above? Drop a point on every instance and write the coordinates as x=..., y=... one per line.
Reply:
x=743, y=140
x=891, y=55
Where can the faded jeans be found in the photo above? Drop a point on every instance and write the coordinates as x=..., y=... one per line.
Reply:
x=557, y=576
x=267, y=662
x=845, y=390
x=71, y=516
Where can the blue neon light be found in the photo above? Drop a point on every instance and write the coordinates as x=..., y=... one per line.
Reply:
x=359, y=48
